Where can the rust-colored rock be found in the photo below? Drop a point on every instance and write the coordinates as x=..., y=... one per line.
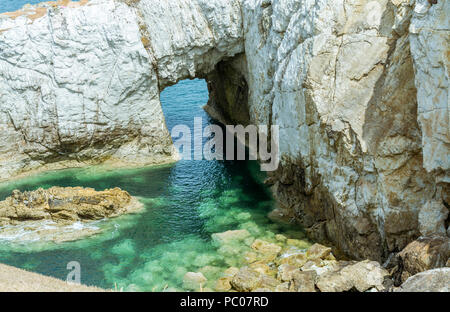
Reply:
x=423, y=254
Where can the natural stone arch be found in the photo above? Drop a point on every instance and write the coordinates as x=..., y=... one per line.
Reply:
x=81, y=85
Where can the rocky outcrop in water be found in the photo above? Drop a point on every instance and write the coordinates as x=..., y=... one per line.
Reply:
x=358, y=88
x=50, y=214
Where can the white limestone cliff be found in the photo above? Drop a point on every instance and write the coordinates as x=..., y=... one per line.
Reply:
x=362, y=105
x=359, y=89
x=80, y=82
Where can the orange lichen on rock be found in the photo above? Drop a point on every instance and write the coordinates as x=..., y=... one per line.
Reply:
x=15, y=14
x=145, y=42
x=38, y=13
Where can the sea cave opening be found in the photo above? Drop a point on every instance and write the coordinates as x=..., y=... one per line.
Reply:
x=189, y=205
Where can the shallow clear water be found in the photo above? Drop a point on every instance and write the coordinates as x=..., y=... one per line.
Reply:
x=14, y=5
x=184, y=204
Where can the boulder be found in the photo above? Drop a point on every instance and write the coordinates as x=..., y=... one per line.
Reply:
x=320, y=267
x=246, y=280
x=261, y=267
x=298, y=243
x=286, y=272
x=232, y=271
x=250, y=257
x=280, y=238
x=436, y=280
x=361, y=276
x=318, y=251
x=423, y=254
x=284, y=287
x=269, y=282
x=194, y=281
x=230, y=237
x=304, y=281
x=265, y=247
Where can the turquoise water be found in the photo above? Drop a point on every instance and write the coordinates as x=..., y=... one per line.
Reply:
x=185, y=203
x=14, y=5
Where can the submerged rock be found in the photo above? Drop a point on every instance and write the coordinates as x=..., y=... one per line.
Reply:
x=61, y=214
x=230, y=237
x=231, y=271
x=300, y=271
x=286, y=272
x=297, y=260
x=194, y=281
x=262, y=268
x=266, y=247
x=223, y=284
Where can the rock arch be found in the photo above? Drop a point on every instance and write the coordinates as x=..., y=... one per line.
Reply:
x=80, y=83
x=360, y=94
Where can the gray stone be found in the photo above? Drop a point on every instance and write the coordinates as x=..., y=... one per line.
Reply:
x=436, y=280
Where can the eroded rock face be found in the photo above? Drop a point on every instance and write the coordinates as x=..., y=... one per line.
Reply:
x=49, y=213
x=363, y=126
x=80, y=83
x=322, y=273
x=358, y=88
x=429, y=33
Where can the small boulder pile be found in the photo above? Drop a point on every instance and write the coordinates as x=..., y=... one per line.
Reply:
x=274, y=268
x=280, y=264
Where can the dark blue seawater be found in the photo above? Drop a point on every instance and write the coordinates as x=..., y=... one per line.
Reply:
x=14, y=5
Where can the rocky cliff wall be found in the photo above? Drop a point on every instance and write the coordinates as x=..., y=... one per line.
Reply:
x=360, y=92
x=359, y=89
